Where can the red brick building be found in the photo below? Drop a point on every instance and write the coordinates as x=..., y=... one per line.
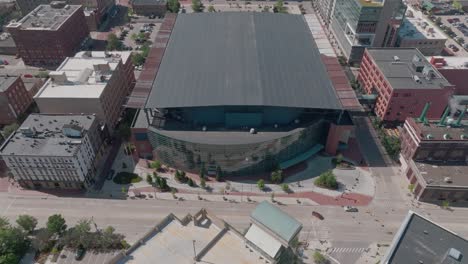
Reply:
x=433, y=158
x=49, y=34
x=14, y=99
x=149, y=7
x=454, y=69
x=404, y=81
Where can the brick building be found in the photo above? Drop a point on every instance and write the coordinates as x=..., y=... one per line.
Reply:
x=89, y=83
x=149, y=7
x=404, y=81
x=49, y=34
x=433, y=157
x=54, y=151
x=454, y=69
x=14, y=99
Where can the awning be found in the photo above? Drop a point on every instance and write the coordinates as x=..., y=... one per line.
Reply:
x=304, y=156
x=263, y=240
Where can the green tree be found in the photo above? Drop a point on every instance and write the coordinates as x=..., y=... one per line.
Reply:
x=327, y=180
x=319, y=258
x=392, y=145
x=27, y=222
x=203, y=183
x=133, y=36
x=190, y=182
x=163, y=184
x=9, y=129
x=56, y=224
x=4, y=223
x=145, y=49
x=41, y=240
x=149, y=179
x=285, y=187
x=138, y=59
x=279, y=7
x=211, y=8
x=113, y=43
x=197, y=6
x=13, y=244
x=156, y=165
x=261, y=184
x=438, y=20
x=173, y=6
x=276, y=176
x=457, y=5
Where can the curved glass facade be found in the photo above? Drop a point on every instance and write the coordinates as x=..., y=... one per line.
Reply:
x=237, y=159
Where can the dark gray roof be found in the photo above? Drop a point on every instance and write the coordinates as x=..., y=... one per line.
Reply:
x=246, y=58
x=400, y=73
x=6, y=82
x=148, y=2
x=422, y=241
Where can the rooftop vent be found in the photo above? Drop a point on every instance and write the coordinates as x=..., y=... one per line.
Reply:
x=58, y=77
x=448, y=180
x=28, y=131
x=447, y=136
x=396, y=58
x=454, y=253
x=429, y=136
x=203, y=128
x=416, y=79
x=252, y=131
x=463, y=136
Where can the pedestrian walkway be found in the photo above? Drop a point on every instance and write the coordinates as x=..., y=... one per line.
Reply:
x=347, y=250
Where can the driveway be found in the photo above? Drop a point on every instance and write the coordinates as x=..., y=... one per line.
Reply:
x=68, y=257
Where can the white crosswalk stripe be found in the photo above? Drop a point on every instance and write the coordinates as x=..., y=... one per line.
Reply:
x=348, y=250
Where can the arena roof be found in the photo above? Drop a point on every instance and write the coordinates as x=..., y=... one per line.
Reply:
x=268, y=59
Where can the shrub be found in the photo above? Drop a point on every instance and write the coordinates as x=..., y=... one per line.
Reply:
x=276, y=176
x=203, y=183
x=27, y=222
x=285, y=187
x=149, y=179
x=327, y=180
x=126, y=178
x=156, y=165
x=261, y=184
x=319, y=258
x=190, y=182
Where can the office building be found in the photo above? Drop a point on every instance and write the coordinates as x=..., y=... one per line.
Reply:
x=403, y=81
x=417, y=32
x=54, y=151
x=14, y=99
x=90, y=83
x=358, y=24
x=49, y=34
x=325, y=8
x=433, y=156
x=421, y=240
x=260, y=99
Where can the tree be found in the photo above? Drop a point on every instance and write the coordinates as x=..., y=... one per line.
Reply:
x=211, y=8
x=27, y=222
x=319, y=258
x=133, y=36
x=392, y=145
x=276, y=176
x=279, y=7
x=56, y=224
x=13, y=244
x=266, y=9
x=197, y=6
x=163, y=184
x=145, y=49
x=41, y=240
x=285, y=187
x=113, y=43
x=261, y=184
x=327, y=180
x=4, y=223
x=124, y=131
x=149, y=179
x=156, y=165
x=8, y=130
x=457, y=5
x=138, y=59
x=190, y=182
x=438, y=20
x=203, y=183
x=173, y=6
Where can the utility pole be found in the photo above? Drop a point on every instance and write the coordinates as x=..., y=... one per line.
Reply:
x=194, y=252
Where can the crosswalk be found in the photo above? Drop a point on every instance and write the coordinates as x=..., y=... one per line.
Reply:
x=348, y=250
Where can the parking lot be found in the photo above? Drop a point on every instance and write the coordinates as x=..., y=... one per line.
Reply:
x=459, y=26
x=136, y=28
x=68, y=257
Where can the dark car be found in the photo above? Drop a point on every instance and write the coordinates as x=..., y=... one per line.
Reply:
x=80, y=251
x=318, y=215
x=110, y=175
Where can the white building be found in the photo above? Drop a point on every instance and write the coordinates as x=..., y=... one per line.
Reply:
x=417, y=32
x=54, y=151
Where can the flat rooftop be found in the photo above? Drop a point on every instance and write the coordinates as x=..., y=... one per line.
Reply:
x=398, y=67
x=242, y=59
x=6, y=82
x=46, y=17
x=49, y=139
x=86, y=75
x=451, y=62
x=435, y=173
x=433, y=132
x=415, y=26
x=419, y=240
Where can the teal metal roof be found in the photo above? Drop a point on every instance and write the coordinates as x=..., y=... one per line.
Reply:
x=276, y=220
x=302, y=157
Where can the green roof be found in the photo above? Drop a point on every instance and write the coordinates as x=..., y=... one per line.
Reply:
x=276, y=220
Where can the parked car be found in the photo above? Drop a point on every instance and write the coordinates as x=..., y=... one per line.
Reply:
x=455, y=49
x=350, y=209
x=27, y=75
x=79, y=253
x=110, y=175
x=318, y=215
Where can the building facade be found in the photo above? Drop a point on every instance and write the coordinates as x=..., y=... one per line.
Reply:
x=358, y=24
x=417, y=32
x=54, y=151
x=454, y=69
x=404, y=81
x=89, y=83
x=149, y=7
x=325, y=8
x=49, y=34
x=433, y=158
x=14, y=99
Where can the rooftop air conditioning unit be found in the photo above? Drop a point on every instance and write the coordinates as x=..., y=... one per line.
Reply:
x=448, y=180
x=203, y=128
x=252, y=131
x=447, y=136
